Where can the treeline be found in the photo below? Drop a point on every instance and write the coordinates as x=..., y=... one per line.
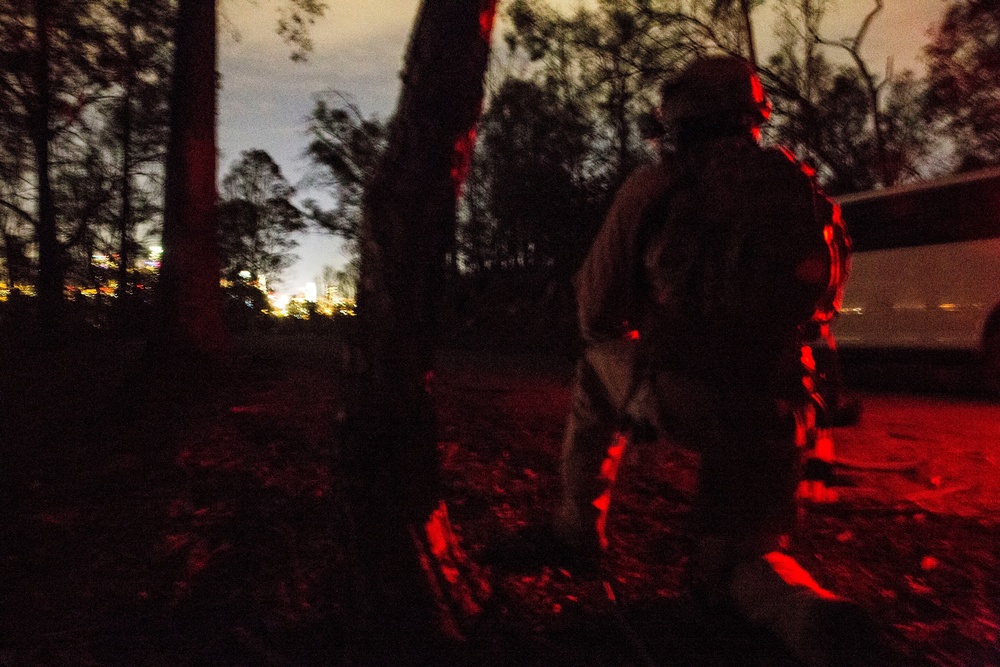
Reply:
x=86, y=119
x=84, y=115
x=569, y=113
x=569, y=116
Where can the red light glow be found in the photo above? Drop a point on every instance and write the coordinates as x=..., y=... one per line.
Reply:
x=760, y=97
x=794, y=575
x=609, y=473
x=487, y=16
x=462, y=158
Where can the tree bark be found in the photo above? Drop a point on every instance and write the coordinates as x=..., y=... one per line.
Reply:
x=190, y=325
x=50, y=265
x=125, y=213
x=408, y=227
x=748, y=27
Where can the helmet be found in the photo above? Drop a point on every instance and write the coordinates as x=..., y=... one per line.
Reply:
x=716, y=86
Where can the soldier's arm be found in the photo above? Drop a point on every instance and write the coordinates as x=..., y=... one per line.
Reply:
x=606, y=286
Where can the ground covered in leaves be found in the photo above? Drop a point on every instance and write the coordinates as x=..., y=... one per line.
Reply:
x=216, y=536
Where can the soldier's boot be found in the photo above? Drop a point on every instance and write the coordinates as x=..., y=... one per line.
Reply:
x=582, y=520
x=822, y=629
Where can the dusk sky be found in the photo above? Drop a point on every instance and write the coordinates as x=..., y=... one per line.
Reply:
x=359, y=45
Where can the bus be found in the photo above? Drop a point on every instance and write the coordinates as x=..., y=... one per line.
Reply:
x=925, y=273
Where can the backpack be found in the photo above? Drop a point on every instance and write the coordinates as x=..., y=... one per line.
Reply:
x=728, y=245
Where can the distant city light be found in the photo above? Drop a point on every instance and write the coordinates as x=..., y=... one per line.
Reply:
x=279, y=304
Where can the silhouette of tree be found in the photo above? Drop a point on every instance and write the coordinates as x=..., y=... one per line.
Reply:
x=48, y=78
x=798, y=76
x=963, y=91
x=609, y=61
x=345, y=149
x=538, y=206
x=189, y=325
x=297, y=16
x=256, y=218
x=408, y=227
x=872, y=88
x=137, y=58
x=745, y=7
x=858, y=132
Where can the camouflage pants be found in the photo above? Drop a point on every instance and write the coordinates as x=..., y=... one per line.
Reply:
x=746, y=442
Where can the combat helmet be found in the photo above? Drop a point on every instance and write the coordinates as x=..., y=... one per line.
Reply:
x=716, y=87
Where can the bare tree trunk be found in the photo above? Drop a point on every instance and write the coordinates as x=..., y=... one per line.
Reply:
x=13, y=258
x=748, y=27
x=125, y=213
x=408, y=228
x=888, y=173
x=190, y=326
x=50, y=265
x=619, y=106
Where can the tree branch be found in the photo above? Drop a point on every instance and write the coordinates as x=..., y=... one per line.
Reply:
x=19, y=211
x=863, y=30
x=853, y=48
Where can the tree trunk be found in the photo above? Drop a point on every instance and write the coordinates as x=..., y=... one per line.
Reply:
x=748, y=27
x=190, y=326
x=408, y=227
x=50, y=266
x=125, y=213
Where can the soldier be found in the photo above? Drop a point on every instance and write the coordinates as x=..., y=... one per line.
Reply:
x=692, y=304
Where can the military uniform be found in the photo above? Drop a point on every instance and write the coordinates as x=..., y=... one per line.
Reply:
x=695, y=328
x=694, y=303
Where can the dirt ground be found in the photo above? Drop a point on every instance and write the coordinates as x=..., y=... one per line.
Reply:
x=218, y=539
x=918, y=548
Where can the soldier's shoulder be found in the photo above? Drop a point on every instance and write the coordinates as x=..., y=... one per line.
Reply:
x=647, y=181
x=781, y=161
